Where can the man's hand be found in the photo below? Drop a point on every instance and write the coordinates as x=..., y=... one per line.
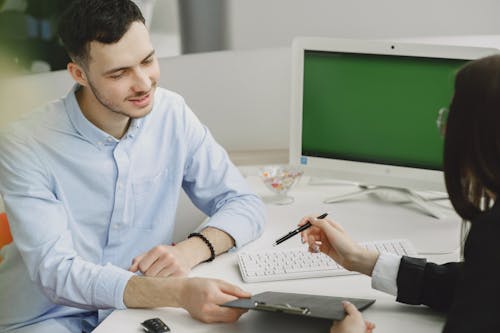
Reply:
x=202, y=297
x=164, y=260
x=161, y=261
x=330, y=238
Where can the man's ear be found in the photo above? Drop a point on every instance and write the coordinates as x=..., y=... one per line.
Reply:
x=78, y=74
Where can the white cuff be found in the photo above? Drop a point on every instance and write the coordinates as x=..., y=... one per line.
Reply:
x=385, y=273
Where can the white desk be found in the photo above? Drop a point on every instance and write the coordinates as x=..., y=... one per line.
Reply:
x=365, y=218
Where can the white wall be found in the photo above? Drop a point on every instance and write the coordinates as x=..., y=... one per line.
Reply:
x=273, y=23
x=164, y=28
x=165, y=17
x=242, y=96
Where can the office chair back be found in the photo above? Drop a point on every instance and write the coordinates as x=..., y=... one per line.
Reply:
x=5, y=235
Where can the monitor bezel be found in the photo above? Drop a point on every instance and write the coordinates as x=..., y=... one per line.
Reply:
x=355, y=171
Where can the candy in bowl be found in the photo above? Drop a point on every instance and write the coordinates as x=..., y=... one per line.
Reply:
x=279, y=179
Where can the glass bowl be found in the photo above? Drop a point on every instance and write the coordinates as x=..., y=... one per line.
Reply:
x=280, y=179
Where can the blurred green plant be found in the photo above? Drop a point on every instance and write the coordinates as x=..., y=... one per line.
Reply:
x=28, y=36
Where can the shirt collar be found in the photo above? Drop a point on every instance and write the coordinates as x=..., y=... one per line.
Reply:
x=91, y=132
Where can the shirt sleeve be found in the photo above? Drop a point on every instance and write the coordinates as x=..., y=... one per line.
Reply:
x=385, y=273
x=217, y=187
x=40, y=227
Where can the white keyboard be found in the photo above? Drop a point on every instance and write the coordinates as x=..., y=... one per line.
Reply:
x=299, y=263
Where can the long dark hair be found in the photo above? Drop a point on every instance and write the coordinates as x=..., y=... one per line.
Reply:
x=472, y=140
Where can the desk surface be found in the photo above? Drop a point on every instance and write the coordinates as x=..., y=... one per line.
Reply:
x=365, y=218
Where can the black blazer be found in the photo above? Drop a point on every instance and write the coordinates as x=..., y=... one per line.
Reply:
x=468, y=291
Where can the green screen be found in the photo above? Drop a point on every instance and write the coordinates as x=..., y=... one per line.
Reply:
x=375, y=108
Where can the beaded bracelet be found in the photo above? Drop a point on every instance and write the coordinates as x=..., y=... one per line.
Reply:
x=206, y=241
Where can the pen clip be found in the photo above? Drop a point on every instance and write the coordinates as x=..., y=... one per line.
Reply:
x=286, y=308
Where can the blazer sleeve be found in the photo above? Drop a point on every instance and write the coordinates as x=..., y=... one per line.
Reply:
x=468, y=291
x=421, y=282
x=476, y=307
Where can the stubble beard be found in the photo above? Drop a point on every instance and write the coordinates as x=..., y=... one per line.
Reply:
x=114, y=108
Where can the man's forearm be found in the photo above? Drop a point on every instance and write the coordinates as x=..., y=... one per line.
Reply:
x=219, y=239
x=152, y=292
x=199, y=296
x=197, y=251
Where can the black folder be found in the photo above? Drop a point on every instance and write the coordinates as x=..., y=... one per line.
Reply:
x=316, y=306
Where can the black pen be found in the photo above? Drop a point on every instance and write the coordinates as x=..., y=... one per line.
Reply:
x=298, y=230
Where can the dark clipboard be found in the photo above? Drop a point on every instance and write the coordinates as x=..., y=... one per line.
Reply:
x=316, y=306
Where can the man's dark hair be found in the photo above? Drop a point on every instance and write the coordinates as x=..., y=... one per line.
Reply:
x=104, y=21
x=472, y=139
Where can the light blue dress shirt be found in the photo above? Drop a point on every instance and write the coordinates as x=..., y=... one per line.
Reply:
x=82, y=204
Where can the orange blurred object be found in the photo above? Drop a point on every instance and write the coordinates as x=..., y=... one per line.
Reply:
x=5, y=235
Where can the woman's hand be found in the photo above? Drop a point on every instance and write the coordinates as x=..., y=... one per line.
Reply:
x=353, y=322
x=330, y=238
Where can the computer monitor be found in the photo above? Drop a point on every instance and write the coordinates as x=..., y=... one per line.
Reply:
x=366, y=111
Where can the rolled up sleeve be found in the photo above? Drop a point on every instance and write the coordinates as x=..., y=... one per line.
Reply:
x=217, y=187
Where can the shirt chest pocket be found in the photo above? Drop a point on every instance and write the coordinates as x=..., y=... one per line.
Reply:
x=149, y=198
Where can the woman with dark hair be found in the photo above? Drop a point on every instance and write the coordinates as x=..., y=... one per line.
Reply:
x=467, y=291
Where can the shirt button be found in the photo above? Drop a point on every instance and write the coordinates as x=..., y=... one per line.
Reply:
x=116, y=226
x=120, y=186
x=109, y=139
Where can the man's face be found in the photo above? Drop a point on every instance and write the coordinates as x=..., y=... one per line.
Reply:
x=123, y=76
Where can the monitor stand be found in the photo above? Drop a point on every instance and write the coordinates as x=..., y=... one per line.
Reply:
x=428, y=206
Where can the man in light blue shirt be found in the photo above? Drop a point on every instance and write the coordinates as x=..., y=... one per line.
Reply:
x=91, y=184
